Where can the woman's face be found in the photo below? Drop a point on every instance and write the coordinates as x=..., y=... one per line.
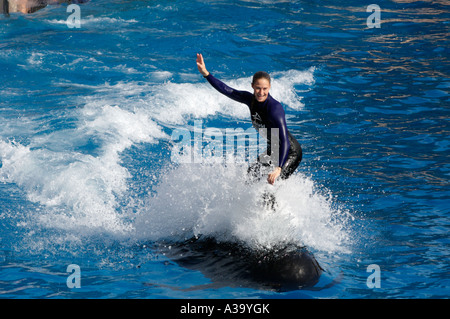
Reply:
x=261, y=89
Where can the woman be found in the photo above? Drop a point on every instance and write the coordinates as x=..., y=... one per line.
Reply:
x=266, y=113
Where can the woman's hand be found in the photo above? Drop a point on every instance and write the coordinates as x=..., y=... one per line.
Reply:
x=201, y=65
x=274, y=175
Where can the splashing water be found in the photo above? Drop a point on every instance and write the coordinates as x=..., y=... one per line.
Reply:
x=215, y=200
x=77, y=177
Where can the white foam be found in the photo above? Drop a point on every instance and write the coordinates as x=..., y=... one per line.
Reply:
x=96, y=21
x=35, y=59
x=214, y=200
x=283, y=86
x=80, y=191
x=174, y=103
x=162, y=75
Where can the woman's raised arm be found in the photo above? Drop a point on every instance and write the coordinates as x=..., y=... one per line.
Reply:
x=201, y=65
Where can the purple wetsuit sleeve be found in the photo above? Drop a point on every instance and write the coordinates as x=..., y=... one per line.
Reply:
x=278, y=120
x=238, y=96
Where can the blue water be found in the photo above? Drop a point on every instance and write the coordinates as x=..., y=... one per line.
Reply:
x=87, y=114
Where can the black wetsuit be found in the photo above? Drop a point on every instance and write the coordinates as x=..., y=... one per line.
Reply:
x=269, y=115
